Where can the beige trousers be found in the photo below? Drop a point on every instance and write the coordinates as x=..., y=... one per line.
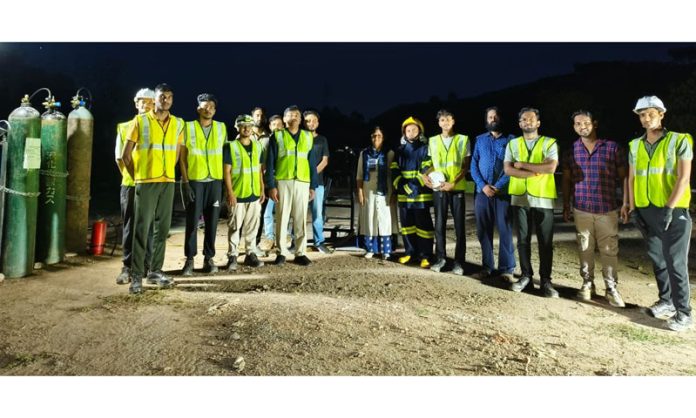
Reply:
x=293, y=198
x=245, y=219
x=602, y=231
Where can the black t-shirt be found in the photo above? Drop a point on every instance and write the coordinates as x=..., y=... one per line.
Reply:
x=320, y=149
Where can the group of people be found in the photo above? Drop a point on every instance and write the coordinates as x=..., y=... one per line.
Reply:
x=514, y=181
x=280, y=167
x=396, y=189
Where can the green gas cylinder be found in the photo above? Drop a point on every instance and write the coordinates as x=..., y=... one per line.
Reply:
x=23, y=164
x=80, y=135
x=50, y=229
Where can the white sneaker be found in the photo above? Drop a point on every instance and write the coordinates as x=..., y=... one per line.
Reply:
x=368, y=254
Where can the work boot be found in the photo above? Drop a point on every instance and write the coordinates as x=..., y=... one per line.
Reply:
x=405, y=259
x=523, y=283
x=158, y=278
x=424, y=263
x=437, y=265
x=232, y=264
x=252, y=260
x=547, y=290
x=209, y=266
x=279, y=260
x=614, y=298
x=457, y=269
x=136, y=286
x=302, y=260
x=188, y=268
x=587, y=290
x=124, y=277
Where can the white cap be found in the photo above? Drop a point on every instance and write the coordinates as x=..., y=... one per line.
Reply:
x=144, y=94
x=646, y=102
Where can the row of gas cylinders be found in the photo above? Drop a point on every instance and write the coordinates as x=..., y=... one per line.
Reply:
x=44, y=184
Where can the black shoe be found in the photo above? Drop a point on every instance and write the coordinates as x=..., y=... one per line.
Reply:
x=252, y=260
x=548, y=290
x=136, y=286
x=232, y=264
x=124, y=277
x=302, y=260
x=523, y=283
x=188, y=268
x=158, y=278
x=438, y=265
x=279, y=260
x=209, y=266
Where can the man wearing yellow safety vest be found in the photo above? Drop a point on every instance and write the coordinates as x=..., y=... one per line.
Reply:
x=201, y=181
x=291, y=177
x=411, y=162
x=450, y=154
x=658, y=202
x=151, y=155
x=144, y=102
x=530, y=161
x=245, y=192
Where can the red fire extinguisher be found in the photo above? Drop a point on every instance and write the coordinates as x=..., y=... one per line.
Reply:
x=98, y=237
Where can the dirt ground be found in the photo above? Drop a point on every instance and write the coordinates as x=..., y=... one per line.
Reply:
x=344, y=315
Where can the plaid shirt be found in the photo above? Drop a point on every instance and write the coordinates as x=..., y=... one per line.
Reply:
x=594, y=176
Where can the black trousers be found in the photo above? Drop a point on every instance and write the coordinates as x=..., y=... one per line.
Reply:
x=542, y=221
x=669, y=252
x=207, y=203
x=455, y=202
x=128, y=219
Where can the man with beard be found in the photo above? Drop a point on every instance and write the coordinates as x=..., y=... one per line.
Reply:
x=658, y=198
x=530, y=161
x=592, y=169
x=150, y=156
x=201, y=180
x=492, y=201
x=321, y=151
x=450, y=154
x=144, y=102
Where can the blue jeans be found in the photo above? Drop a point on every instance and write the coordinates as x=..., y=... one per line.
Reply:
x=494, y=212
x=317, y=207
x=269, y=221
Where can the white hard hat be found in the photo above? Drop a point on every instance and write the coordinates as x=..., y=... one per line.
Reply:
x=144, y=94
x=646, y=102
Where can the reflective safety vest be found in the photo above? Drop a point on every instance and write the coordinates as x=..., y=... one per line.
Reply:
x=246, y=180
x=292, y=161
x=155, y=154
x=449, y=161
x=654, y=178
x=205, y=154
x=121, y=132
x=543, y=185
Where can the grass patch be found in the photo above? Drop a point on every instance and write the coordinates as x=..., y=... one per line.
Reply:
x=641, y=335
x=15, y=360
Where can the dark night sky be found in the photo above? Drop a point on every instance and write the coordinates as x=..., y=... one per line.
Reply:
x=365, y=77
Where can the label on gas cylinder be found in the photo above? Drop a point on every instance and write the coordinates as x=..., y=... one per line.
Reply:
x=32, y=154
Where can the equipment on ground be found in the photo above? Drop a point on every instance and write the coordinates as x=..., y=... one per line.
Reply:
x=98, y=237
x=22, y=189
x=50, y=238
x=80, y=138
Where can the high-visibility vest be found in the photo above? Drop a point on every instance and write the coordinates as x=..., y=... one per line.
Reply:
x=121, y=132
x=543, y=185
x=292, y=161
x=246, y=180
x=155, y=154
x=205, y=154
x=449, y=161
x=654, y=178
